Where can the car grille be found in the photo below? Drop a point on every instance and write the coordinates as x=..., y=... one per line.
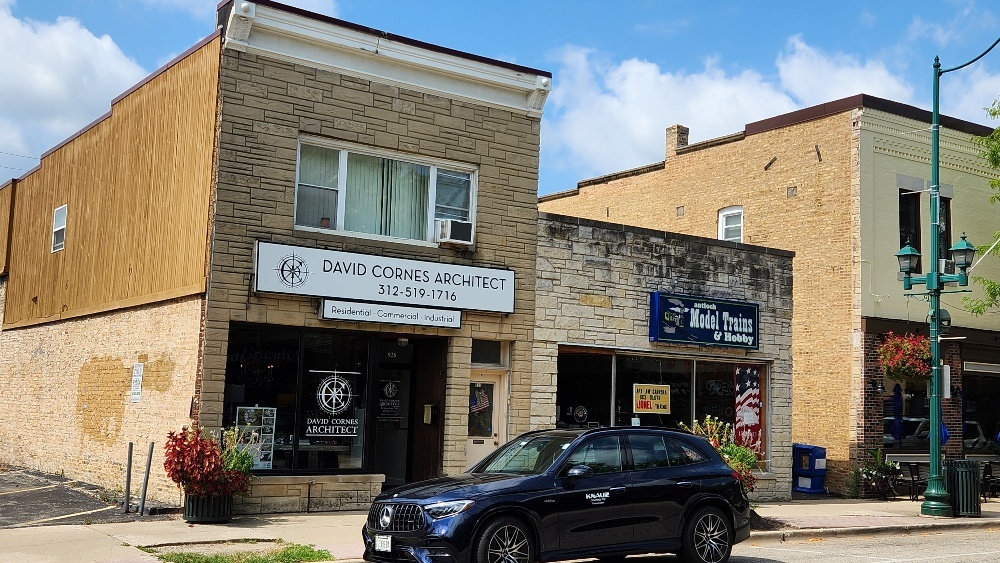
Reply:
x=392, y=517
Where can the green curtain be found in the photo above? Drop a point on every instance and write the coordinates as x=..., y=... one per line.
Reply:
x=386, y=197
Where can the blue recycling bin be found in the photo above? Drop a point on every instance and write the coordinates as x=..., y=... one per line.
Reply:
x=808, y=469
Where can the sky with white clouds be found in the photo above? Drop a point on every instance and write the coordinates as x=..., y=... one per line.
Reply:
x=620, y=76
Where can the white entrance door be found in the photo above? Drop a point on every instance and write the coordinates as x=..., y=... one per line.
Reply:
x=487, y=413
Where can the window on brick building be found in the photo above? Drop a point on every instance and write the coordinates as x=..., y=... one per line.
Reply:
x=379, y=194
x=731, y=223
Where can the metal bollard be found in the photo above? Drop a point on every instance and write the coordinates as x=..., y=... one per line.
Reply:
x=128, y=478
x=145, y=480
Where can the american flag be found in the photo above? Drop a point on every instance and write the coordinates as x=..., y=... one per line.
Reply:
x=479, y=400
x=747, y=427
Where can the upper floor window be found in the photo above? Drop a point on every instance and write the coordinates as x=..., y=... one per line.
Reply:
x=731, y=223
x=944, y=225
x=378, y=194
x=910, y=189
x=59, y=228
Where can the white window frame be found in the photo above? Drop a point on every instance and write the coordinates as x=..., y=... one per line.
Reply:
x=57, y=247
x=345, y=149
x=727, y=212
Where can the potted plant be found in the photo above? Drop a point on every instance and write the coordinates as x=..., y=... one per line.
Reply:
x=210, y=472
x=880, y=473
x=905, y=357
x=721, y=435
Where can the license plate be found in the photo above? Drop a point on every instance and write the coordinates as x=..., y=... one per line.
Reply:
x=383, y=543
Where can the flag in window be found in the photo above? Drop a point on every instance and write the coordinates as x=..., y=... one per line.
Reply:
x=479, y=400
x=747, y=425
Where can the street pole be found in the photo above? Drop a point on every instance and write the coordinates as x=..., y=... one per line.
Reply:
x=936, y=497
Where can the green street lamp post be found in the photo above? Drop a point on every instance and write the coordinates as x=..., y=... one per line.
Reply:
x=936, y=497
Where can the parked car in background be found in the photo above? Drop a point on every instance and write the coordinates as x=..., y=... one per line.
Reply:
x=562, y=494
x=973, y=437
x=914, y=430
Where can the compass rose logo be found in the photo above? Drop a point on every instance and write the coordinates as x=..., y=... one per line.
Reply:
x=334, y=395
x=390, y=389
x=292, y=271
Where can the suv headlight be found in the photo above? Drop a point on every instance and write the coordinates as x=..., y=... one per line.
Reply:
x=449, y=508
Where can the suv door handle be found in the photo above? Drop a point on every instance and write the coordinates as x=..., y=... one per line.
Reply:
x=684, y=483
x=617, y=490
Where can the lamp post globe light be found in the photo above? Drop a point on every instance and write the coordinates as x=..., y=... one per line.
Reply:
x=936, y=497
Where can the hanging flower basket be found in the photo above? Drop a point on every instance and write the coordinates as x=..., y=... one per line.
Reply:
x=905, y=357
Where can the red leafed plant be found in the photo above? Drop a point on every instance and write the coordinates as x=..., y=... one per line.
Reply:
x=905, y=357
x=198, y=465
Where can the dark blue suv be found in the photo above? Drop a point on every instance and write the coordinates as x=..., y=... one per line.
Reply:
x=561, y=494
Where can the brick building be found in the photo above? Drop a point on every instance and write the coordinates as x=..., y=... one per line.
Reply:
x=843, y=185
x=597, y=286
x=312, y=228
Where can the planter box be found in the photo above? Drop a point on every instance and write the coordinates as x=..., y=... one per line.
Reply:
x=208, y=510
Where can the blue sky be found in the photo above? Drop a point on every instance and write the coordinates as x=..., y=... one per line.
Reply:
x=622, y=72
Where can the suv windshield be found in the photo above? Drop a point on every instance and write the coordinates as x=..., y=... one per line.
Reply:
x=528, y=455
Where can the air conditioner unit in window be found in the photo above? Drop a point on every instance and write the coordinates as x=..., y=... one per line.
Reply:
x=451, y=232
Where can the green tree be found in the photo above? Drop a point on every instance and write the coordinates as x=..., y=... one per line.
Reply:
x=990, y=150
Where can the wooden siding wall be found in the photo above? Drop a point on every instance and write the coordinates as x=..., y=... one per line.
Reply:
x=5, y=210
x=137, y=186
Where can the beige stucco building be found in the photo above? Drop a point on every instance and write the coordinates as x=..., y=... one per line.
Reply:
x=843, y=185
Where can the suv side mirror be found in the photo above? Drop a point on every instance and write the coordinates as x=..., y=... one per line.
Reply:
x=578, y=472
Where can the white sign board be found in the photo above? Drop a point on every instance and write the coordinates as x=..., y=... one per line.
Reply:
x=375, y=312
x=136, y=394
x=315, y=272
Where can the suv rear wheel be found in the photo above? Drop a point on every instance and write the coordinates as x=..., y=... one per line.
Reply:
x=505, y=540
x=708, y=537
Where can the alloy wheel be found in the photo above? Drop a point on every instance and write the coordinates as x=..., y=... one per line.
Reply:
x=508, y=544
x=711, y=538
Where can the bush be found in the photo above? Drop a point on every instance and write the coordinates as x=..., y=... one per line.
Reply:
x=202, y=467
x=720, y=434
x=880, y=473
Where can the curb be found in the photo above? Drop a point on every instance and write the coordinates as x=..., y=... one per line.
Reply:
x=784, y=535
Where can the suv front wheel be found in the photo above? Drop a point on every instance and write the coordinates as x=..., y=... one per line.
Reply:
x=708, y=537
x=505, y=540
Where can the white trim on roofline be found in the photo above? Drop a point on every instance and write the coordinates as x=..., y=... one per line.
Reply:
x=261, y=29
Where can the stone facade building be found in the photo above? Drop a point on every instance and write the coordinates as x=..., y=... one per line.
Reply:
x=593, y=338
x=317, y=230
x=843, y=185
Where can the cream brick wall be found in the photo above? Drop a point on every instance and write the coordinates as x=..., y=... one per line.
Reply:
x=803, y=202
x=72, y=381
x=593, y=288
x=267, y=105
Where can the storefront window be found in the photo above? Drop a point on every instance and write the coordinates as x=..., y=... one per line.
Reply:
x=906, y=416
x=653, y=374
x=311, y=418
x=261, y=375
x=333, y=399
x=661, y=391
x=583, y=394
x=980, y=393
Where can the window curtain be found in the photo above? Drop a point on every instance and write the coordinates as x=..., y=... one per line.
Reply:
x=316, y=204
x=386, y=197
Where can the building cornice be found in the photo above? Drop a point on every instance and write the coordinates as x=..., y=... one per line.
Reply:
x=271, y=29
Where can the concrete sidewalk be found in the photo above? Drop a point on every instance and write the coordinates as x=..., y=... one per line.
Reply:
x=340, y=532
x=828, y=516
